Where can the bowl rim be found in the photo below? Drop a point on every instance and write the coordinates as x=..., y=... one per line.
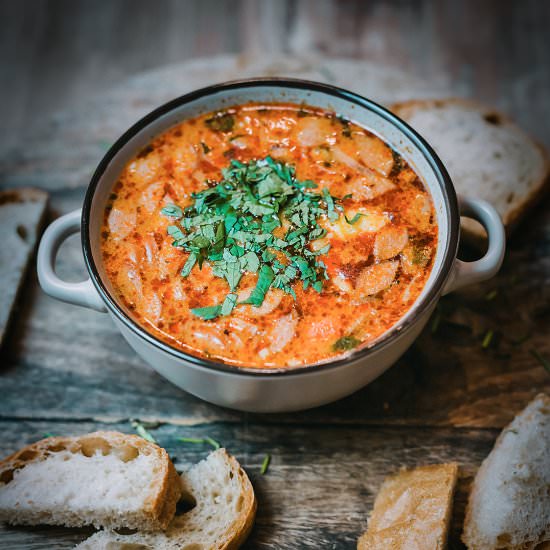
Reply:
x=449, y=196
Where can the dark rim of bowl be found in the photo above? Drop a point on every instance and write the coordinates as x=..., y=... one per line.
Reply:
x=400, y=327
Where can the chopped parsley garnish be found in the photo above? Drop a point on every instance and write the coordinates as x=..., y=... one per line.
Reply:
x=231, y=225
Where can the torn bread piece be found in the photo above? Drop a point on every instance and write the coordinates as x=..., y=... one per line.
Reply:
x=105, y=479
x=412, y=510
x=222, y=517
x=487, y=155
x=509, y=505
x=22, y=214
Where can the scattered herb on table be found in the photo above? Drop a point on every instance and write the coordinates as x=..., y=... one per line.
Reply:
x=48, y=434
x=487, y=339
x=231, y=225
x=491, y=295
x=265, y=464
x=327, y=73
x=200, y=441
x=436, y=322
x=541, y=359
x=104, y=144
x=521, y=339
x=142, y=431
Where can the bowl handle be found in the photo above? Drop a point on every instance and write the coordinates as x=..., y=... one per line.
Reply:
x=81, y=294
x=466, y=273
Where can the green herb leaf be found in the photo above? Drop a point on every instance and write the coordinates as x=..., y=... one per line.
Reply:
x=487, y=339
x=265, y=464
x=233, y=274
x=332, y=214
x=355, y=218
x=201, y=441
x=491, y=295
x=142, y=431
x=522, y=339
x=231, y=223
x=265, y=278
x=172, y=211
x=228, y=304
x=250, y=262
x=346, y=343
x=207, y=313
x=222, y=122
x=436, y=322
x=541, y=359
x=191, y=261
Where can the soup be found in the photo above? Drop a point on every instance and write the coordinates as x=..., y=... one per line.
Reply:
x=270, y=235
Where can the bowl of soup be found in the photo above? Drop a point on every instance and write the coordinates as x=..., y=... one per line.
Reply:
x=270, y=245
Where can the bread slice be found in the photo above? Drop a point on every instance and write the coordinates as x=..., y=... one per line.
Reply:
x=106, y=479
x=221, y=519
x=22, y=214
x=509, y=505
x=412, y=510
x=486, y=155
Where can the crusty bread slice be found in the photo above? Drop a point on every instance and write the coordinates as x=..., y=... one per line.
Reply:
x=106, y=479
x=486, y=155
x=412, y=510
x=221, y=519
x=22, y=213
x=509, y=505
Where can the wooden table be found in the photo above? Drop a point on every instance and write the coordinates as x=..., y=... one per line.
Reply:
x=68, y=371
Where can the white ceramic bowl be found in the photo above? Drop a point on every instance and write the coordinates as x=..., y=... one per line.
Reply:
x=273, y=390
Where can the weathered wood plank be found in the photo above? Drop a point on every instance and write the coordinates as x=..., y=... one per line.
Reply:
x=65, y=362
x=94, y=124
x=74, y=363
x=320, y=485
x=51, y=56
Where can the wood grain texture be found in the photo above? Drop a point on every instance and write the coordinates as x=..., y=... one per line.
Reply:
x=57, y=52
x=74, y=363
x=77, y=74
x=338, y=472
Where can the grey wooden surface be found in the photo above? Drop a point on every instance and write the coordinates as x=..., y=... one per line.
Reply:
x=55, y=52
x=76, y=74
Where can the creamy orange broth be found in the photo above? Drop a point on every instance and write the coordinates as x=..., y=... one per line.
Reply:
x=377, y=266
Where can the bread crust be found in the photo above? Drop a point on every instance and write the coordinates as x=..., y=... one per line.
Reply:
x=513, y=216
x=470, y=533
x=384, y=535
x=231, y=538
x=241, y=528
x=159, y=508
